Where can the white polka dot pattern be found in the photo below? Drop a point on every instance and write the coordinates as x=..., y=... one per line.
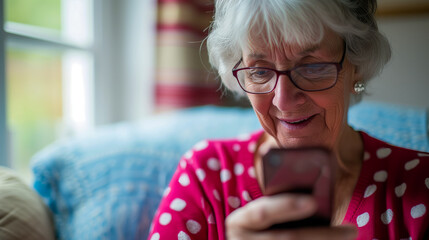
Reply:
x=201, y=146
x=418, y=211
x=203, y=203
x=225, y=175
x=243, y=137
x=188, y=154
x=178, y=204
x=184, y=180
x=193, y=226
x=251, y=172
x=166, y=191
x=366, y=156
x=216, y=194
x=400, y=190
x=165, y=219
x=201, y=174
x=183, y=236
x=370, y=190
x=211, y=219
x=387, y=216
x=182, y=164
x=236, y=147
x=246, y=196
x=362, y=219
x=411, y=164
x=252, y=147
x=380, y=176
x=238, y=169
x=233, y=202
x=213, y=164
x=383, y=152
x=155, y=236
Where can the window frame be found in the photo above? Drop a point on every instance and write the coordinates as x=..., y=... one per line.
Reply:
x=4, y=148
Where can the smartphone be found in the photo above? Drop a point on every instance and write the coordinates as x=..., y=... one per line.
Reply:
x=308, y=170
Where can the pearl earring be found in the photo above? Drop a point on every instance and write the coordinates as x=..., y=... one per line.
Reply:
x=359, y=87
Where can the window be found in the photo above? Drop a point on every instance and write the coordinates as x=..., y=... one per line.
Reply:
x=48, y=74
x=68, y=66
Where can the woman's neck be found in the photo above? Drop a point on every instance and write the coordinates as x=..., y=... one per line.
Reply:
x=349, y=152
x=349, y=155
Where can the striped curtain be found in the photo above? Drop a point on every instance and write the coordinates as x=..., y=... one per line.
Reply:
x=183, y=77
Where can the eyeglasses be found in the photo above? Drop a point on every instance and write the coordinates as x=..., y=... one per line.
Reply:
x=307, y=77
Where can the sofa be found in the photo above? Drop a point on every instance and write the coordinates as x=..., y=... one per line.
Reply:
x=107, y=184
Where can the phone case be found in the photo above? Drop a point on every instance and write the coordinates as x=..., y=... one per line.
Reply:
x=302, y=171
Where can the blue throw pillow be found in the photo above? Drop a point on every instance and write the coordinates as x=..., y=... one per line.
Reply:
x=399, y=125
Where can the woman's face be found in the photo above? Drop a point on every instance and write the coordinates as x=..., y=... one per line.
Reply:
x=297, y=118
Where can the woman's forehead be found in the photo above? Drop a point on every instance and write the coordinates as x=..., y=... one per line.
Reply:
x=264, y=52
x=258, y=48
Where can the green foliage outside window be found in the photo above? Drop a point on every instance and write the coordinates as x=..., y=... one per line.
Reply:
x=33, y=84
x=41, y=13
x=34, y=102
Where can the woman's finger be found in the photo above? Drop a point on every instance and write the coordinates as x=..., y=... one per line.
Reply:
x=264, y=212
x=348, y=232
x=332, y=233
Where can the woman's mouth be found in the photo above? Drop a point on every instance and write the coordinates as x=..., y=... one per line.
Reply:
x=294, y=124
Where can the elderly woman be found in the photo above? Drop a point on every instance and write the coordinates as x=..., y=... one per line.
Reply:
x=300, y=63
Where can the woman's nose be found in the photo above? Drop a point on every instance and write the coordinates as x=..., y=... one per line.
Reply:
x=286, y=94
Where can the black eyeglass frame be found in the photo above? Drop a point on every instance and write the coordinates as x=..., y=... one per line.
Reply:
x=338, y=65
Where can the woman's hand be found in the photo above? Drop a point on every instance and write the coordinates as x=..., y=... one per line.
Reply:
x=253, y=220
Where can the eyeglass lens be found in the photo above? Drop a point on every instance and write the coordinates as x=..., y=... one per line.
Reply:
x=311, y=77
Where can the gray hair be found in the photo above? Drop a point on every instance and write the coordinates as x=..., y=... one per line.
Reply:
x=301, y=22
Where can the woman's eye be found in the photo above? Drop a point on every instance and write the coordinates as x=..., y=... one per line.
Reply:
x=317, y=70
x=314, y=69
x=259, y=73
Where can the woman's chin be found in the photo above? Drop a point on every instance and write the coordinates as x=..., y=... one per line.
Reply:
x=307, y=136
x=295, y=142
x=302, y=139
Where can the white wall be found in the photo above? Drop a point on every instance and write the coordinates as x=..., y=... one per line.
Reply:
x=125, y=53
x=405, y=79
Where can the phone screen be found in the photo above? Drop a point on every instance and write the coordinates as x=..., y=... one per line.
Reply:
x=303, y=171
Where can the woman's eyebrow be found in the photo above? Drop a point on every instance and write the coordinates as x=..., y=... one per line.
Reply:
x=306, y=51
x=309, y=50
x=256, y=56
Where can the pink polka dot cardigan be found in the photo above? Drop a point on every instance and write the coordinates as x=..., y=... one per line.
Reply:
x=390, y=200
